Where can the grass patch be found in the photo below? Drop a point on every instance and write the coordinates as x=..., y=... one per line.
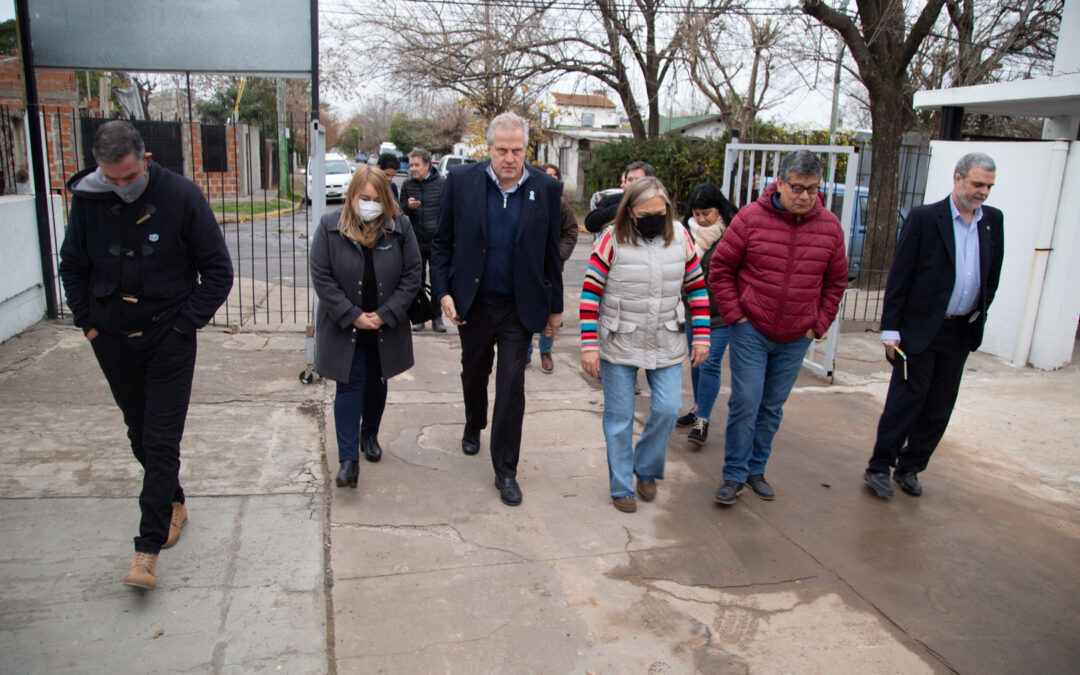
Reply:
x=246, y=207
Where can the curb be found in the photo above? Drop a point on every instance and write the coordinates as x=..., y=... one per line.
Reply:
x=268, y=214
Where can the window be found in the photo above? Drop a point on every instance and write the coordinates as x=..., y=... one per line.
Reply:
x=215, y=157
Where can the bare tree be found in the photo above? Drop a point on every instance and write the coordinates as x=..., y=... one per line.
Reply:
x=720, y=77
x=1002, y=35
x=471, y=49
x=630, y=48
x=883, y=48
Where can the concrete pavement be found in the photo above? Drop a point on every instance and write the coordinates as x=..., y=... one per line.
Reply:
x=423, y=569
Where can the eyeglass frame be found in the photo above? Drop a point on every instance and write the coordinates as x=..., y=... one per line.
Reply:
x=797, y=189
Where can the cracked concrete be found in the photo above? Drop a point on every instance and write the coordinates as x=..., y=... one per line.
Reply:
x=423, y=569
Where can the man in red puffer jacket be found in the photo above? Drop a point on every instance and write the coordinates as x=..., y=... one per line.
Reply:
x=777, y=277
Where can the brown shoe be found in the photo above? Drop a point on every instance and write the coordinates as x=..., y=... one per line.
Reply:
x=625, y=504
x=179, y=519
x=141, y=574
x=646, y=489
x=547, y=364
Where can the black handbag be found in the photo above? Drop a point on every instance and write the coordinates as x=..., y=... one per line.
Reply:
x=421, y=310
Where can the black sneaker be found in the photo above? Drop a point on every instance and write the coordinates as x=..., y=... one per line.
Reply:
x=687, y=420
x=728, y=492
x=700, y=433
x=760, y=487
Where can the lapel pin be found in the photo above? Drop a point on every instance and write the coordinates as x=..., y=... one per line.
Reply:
x=532, y=196
x=153, y=237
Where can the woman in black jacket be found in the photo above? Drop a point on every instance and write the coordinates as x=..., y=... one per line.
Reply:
x=365, y=266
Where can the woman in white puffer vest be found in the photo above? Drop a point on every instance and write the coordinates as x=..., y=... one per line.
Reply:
x=631, y=316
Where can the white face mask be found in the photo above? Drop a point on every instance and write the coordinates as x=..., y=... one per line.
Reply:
x=368, y=210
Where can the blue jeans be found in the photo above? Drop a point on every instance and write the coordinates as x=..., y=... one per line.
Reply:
x=706, y=377
x=646, y=460
x=762, y=375
x=363, y=397
x=546, y=344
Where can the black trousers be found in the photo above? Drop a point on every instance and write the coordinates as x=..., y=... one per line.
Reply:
x=490, y=324
x=151, y=384
x=425, y=261
x=917, y=409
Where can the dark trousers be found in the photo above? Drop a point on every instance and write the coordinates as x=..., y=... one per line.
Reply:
x=436, y=308
x=359, y=403
x=917, y=409
x=152, y=386
x=488, y=325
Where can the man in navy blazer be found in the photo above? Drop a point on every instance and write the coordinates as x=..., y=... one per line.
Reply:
x=496, y=272
x=942, y=281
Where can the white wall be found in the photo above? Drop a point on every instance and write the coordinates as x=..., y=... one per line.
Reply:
x=1059, y=308
x=22, y=297
x=1021, y=183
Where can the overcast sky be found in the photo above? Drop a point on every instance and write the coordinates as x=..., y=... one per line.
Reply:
x=804, y=107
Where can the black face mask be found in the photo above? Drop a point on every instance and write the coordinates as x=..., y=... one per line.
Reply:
x=651, y=226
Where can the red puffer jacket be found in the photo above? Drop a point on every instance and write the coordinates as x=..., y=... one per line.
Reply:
x=785, y=273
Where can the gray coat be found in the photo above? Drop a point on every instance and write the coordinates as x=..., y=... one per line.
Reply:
x=337, y=271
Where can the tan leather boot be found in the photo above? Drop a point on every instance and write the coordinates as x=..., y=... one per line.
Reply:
x=141, y=574
x=179, y=519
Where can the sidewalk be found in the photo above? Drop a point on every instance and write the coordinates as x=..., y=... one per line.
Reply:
x=423, y=569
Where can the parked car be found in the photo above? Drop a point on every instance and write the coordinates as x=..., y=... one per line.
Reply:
x=361, y=157
x=373, y=159
x=403, y=169
x=857, y=233
x=338, y=175
x=446, y=162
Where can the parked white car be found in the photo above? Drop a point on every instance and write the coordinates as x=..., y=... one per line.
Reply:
x=338, y=175
x=446, y=162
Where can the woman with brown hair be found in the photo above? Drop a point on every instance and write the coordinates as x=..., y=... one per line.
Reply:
x=365, y=266
x=631, y=317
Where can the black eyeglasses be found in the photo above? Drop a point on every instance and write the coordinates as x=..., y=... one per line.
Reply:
x=799, y=189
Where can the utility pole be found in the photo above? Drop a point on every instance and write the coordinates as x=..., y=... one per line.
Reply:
x=836, y=84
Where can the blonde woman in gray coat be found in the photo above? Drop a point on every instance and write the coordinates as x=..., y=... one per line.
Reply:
x=365, y=266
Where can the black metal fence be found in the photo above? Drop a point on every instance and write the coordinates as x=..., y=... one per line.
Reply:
x=263, y=217
x=866, y=305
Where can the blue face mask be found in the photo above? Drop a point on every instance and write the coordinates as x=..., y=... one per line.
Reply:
x=134, y=189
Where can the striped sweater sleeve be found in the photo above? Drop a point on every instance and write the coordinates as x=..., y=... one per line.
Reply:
x=696, y=293
x=595, y=279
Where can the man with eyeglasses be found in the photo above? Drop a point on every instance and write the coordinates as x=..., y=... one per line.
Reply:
x=144, y=265
x=497, y=274
x=942, y=281
x=777, y=277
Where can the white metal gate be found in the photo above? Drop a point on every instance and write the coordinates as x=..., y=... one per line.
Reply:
x=749, y=167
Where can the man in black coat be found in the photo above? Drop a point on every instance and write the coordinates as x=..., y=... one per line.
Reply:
x=942, y=281
x=496, y=272
x=604, y=212
x=144, y=265
x=421, y=196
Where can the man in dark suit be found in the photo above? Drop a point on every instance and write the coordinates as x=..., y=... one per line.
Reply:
x=496, y=272
x=942, y=281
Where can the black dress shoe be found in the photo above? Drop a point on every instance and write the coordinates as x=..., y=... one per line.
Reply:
x=508, y=491
x=470, y=442
x=372, y=449
x=347, y=475
x=879, y=483
x=909, y=482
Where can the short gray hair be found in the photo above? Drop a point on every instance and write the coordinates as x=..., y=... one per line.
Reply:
x=801, y=162
x=974, y=160
x=116, y=140
x=508, y=120
x=423, y=154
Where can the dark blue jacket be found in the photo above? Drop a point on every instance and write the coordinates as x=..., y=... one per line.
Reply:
x=160, y=260
x=923, y=273
x=459, y=250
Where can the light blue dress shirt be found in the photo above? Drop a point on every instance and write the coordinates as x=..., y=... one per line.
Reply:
x=965, y=294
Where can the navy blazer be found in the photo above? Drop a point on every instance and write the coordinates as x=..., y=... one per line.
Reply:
x=459, y=249
x=923, y=274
